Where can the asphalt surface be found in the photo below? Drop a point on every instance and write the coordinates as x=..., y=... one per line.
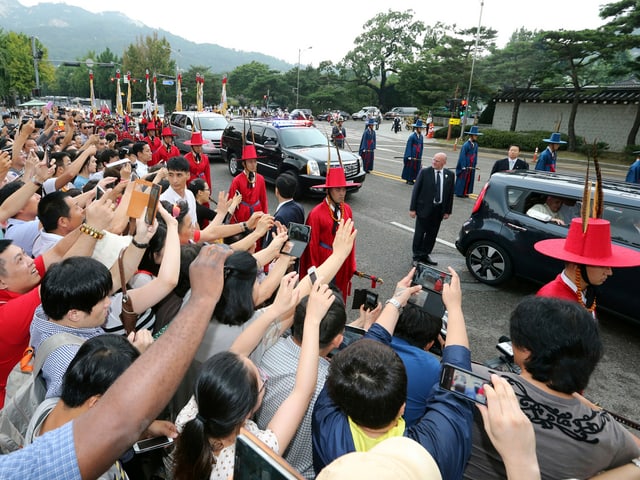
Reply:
x=383, y=248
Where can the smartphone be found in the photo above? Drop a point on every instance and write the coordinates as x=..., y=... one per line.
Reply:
x=152, y=444
x=364, y=297
x=506, y=348
x=430, y=278
x=463, y=383
x=99, y=192
x=299, y=235
x=254, y=460
x=152, y=206
x=312, y=275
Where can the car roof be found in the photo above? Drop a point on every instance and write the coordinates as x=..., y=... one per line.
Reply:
x=566, y=184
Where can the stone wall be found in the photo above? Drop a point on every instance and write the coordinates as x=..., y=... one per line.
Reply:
x=604, y=122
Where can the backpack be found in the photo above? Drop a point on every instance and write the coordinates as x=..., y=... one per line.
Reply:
x=19, y=408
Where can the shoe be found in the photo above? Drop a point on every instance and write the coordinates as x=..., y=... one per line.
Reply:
x=410, y=182
x=429, y=261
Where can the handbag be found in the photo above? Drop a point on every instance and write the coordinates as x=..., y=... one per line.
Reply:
x=128, y=317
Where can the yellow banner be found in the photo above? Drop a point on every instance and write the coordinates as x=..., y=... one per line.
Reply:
x=454, y=121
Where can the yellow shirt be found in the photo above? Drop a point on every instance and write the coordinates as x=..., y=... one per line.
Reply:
x=364, y=443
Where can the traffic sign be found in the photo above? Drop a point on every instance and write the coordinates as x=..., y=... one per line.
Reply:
x=454, y=121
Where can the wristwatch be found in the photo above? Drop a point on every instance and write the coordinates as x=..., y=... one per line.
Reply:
x=395, y=303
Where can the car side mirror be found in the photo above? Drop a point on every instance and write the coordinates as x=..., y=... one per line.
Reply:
x=270, y=143
x=189, y=127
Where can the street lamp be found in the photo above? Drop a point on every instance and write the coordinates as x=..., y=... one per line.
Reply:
x=300, y=50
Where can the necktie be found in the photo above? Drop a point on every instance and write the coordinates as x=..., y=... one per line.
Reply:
x=437, y=195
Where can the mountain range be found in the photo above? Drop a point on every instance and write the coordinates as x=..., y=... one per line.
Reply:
x=69, y=32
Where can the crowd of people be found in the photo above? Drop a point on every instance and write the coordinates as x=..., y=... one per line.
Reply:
x=193, y=324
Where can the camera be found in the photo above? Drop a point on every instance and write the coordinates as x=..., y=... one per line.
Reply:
x=39, y=123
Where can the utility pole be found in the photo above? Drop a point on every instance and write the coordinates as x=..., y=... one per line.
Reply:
x=473, y=63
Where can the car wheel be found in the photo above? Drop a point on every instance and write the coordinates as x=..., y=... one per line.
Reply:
x=235, y=164
x=489, y=263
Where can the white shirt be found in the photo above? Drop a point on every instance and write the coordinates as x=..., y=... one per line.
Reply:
x=171, y=196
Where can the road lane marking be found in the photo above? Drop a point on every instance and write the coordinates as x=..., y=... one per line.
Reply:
x=411, y=230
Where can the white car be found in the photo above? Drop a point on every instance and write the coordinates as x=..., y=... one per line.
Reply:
x=366, y=112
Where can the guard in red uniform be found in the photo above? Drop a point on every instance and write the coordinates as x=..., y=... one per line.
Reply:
x=251, y=186
x=323, y=220
x=589, y=257
x=198, y=161
x=167, y=150
x=154, y=142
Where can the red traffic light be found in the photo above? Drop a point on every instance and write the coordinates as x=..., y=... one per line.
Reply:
x=463, y=102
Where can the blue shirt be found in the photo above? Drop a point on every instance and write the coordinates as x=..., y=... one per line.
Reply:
x=444, y=431
x=423, y=373
x=50, y=457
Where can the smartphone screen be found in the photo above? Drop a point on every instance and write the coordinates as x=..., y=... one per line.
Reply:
x=463, y=383
x=152, y=444
x=254, y=460
x=152, y=207
x=312, y=274
x=99, y=192
x=299, y=232
x=430, y=278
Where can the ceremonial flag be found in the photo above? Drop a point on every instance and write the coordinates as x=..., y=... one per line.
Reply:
x=118, y=94
x=223, y=98
x=179, y=93
x=155, y=97
x=129, y=92
x=92, y=94
x=199, y=92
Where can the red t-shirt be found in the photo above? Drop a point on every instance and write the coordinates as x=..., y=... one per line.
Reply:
x=16, y=313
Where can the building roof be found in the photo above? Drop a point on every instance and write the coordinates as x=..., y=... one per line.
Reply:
x=622, y=93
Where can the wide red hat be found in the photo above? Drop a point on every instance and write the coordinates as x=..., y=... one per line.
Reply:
x=336, y=179
x=166, y=132
x=153, y=125
x=249, y=152
x=592, y=247
x=196, y=139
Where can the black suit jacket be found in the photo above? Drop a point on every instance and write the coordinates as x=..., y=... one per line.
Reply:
x=289, y=212
x=423, y=193
x=503, y=165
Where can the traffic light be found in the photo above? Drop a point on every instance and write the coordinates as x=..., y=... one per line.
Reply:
x=463, y=107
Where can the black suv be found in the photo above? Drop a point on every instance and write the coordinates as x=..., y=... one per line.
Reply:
x=497, y=240
x=288, y=145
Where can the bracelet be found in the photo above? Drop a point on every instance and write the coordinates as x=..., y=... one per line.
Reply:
x=395, y=303
x=139, y=245
x=92, y=232
x=244, y=226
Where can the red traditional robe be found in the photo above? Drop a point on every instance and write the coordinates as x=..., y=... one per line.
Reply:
x=163, y=154
x=320, y=246
x=254, y=198
x=199, y=169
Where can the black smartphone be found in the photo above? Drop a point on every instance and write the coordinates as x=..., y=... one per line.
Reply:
x=99, y=192
x=463, y=383
x=299, y=235
x=152, y=206
x=430, y=278
x=312, y=275
x=152, y=444
x=254, y=460
x=364, y=297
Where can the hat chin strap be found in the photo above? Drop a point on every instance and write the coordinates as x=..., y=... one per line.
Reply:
x=590, y=290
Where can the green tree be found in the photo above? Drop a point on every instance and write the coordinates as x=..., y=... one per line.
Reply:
x=577, y=52
x=4, y=70
x=521, y=65
x=20, y=68
x=388, y=42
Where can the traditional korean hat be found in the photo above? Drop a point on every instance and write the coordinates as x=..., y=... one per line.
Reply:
x=196, y=139
x=249, y=153
x=371, y=121
x=336, y=179
x=473, y=131
x=166, y=132
x=555, y=138
x=419, y=124
x=588, y=241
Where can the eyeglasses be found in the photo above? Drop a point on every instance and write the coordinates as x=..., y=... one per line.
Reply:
x=264, y=377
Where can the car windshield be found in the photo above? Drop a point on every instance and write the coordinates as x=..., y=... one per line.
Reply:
x=210, y=123
x=302, y=138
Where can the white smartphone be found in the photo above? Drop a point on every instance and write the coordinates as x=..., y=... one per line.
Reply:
x=152, y=444
x=312, y=275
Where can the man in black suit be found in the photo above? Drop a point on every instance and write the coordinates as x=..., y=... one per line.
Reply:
x=288, y=209
x=512, y=162
x=431, y=202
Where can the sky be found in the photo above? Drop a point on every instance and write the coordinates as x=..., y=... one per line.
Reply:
x=285, y=29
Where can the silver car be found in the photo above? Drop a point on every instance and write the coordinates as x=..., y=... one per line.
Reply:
x=183, y=124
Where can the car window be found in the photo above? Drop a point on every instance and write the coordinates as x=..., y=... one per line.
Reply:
x=534, y=204
x=625, y=223
x=270, y=135
x=254, y=134
x=302, y=137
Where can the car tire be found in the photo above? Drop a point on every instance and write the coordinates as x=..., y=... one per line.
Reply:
x=234, y=164
x=489, y=263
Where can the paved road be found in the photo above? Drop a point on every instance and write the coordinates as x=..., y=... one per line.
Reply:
x=384, y=249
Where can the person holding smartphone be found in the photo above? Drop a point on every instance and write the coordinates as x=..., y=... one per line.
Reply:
x=351, y=415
